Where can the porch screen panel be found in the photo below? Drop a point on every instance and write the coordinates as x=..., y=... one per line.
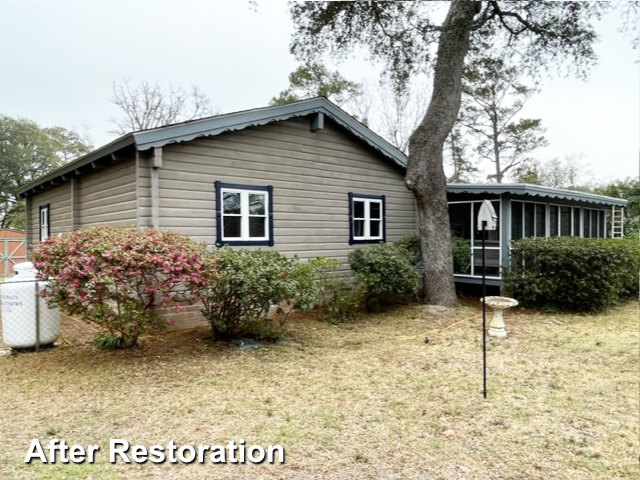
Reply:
x=594, y=223
x=565, y=221
x=529, y=220
x=516, y=220
x=601, y=224
x=586, y=231
x=541, y=220
x=553, y=220
x=460, y=218
x=493, y=236
x=492, y=262
x=576, y=222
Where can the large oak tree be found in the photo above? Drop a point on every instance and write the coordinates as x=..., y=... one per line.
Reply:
x=537, y=35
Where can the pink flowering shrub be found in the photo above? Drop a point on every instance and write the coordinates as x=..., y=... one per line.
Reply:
x=115, y=276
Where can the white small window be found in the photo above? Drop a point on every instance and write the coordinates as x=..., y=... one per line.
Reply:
x=44, y=222
x=367, y=218
x=244, y=215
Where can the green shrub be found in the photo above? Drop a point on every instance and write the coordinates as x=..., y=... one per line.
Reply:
x=385, y=273
x=325, y=277
x=410, y=244
x=106, y=341
x=461, y=255
x=572, y=274
x=116, y=277
x=460, y=247
x=242, y=286
x=344, y=304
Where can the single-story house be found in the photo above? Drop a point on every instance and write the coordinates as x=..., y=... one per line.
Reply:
x=305, y=179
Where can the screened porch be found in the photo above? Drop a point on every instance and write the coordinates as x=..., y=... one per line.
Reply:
x=523, y=211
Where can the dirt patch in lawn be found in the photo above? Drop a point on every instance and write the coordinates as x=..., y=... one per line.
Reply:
x=355, y=401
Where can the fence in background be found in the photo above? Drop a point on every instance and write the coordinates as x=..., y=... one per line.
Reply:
x=12, y=250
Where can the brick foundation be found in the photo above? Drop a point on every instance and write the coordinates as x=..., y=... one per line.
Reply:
x=189, y=317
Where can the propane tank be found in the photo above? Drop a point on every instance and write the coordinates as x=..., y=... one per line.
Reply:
x=18, y=300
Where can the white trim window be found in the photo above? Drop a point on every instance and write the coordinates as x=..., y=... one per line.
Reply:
x=367, y=218
x=44, y=222
x=244, y=215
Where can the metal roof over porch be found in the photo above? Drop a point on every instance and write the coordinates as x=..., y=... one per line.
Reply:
x=536, y=191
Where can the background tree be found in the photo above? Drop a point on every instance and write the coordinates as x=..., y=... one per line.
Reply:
x=571, y=173
x=391, y=112
x=492, y=97
x=629, y=189
x=399, y=110
x=315, y=80
x=535, y=35
x=630, y=12
x=456, y=153
x=148, y=106
x=28, y=151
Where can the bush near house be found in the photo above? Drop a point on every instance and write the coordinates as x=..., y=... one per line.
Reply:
x=460, y=249
x=386, y=273
x=242, y=285
x=572, y=274
x=115, y=276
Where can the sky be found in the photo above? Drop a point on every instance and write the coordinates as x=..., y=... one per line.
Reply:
x=60, y=60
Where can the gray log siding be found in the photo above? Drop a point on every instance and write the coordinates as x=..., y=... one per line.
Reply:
x=104, y=196
x=311, y=173
x=143, y=172
x=108, y=196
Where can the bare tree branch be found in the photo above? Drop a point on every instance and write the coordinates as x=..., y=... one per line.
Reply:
x=146, y=106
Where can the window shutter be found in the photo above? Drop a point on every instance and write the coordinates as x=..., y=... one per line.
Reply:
x=270, y=203
x=350, y=218
x=218, y=202
x=384, y=219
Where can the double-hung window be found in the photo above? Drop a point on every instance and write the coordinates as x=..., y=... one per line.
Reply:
x=367, y=218
x=244, y=214
x=44, y=222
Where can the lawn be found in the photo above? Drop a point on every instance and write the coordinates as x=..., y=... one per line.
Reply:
x=346, y=402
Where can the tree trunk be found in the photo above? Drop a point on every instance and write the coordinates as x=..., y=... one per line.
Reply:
x=425, y=172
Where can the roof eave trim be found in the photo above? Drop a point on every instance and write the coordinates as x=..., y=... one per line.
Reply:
x=238, y=121
x=69, y=169
x=537, y=191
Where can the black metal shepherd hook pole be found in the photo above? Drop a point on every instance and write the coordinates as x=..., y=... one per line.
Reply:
x=484, y=314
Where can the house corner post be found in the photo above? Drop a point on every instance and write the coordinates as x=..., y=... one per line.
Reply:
x=28, y=205
x=75, y=203
x=505, y=232
x=156, y=164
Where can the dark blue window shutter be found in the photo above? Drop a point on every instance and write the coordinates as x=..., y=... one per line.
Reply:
x=350, y=218
x=218, y=188
x=271, y=239
x=384, y=218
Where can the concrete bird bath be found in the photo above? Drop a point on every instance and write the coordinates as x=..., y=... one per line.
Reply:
x=499, y=304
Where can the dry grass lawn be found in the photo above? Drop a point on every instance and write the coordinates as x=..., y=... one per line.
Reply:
x=346, y=402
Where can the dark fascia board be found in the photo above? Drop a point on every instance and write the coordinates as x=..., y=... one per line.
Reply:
x=70, y=168
x=535, y=191
x=184, y=132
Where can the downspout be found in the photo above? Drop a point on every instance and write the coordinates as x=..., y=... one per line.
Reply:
x=156, y=164
x=505, y=233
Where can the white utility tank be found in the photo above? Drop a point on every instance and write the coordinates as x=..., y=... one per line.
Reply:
x=18, y=299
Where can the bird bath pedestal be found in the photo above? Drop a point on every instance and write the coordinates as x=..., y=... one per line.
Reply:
x=499, y=304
